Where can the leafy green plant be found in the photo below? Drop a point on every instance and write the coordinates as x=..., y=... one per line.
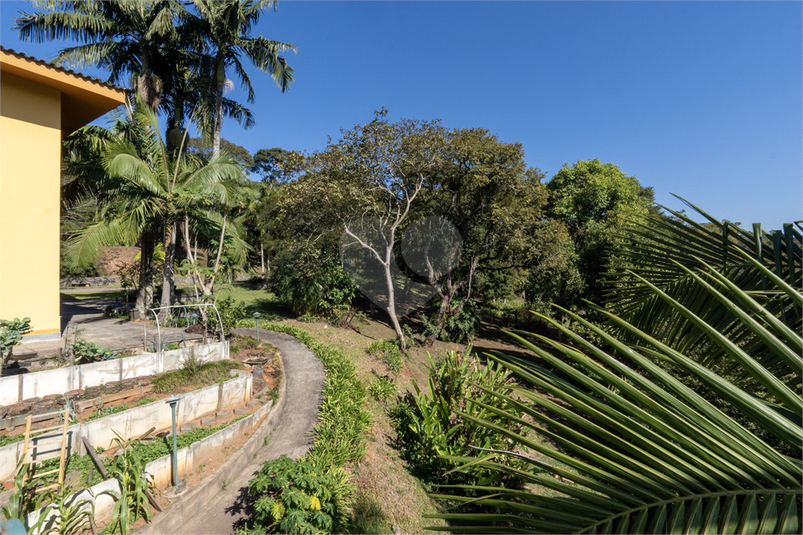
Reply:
x=231, y=312
x=11, y=333
x=462, y=327
x=309, y=283
x=24, y=500
x=388, y=352
x=438, y=425
x=131, y=501
x=382, y=388
x=308, y=317
x=73, y=514
x=638, y=451
x=299, y=497
x=102, y=411
x=86, y=352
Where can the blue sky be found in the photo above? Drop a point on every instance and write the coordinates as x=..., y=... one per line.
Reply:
x=701, y=99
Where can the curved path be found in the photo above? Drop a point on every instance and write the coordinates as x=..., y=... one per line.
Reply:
x=303, y=376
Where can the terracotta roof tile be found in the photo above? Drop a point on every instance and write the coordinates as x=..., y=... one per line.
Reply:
x=42, y=62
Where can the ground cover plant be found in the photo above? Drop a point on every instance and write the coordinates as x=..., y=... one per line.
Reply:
x=194, y=374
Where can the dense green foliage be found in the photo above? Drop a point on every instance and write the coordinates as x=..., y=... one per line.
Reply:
x=309, y=281
x=593, y=201
x=231, y=312
x=299, y=497
x=438, y=424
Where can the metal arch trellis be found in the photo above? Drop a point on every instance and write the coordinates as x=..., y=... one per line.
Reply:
x=185, y=307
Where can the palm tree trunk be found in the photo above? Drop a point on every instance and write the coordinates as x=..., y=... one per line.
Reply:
x=169, y=285
x=146, y=280
x=218, y=119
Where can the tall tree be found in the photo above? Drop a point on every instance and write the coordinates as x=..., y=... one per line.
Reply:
x=150, y=190
x=127, y=37
x=595, y=200
x=226, y=26
x=484, y=188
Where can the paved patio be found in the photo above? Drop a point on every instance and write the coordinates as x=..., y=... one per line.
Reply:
x=112, y=333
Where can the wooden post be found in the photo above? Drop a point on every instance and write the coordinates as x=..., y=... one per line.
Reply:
x=62, y=457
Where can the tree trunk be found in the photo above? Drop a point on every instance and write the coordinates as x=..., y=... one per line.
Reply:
x=218, y=119
x=146, y=282
x=440, y=321
x=394, y=320
x=169, y=285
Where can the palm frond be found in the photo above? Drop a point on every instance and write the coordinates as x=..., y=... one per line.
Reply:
x=629, y=448
x=671, y=251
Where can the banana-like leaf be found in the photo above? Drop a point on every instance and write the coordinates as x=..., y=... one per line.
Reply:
x=629, y=448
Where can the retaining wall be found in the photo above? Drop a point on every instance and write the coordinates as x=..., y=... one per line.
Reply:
x=160, y=469
x=104, y=506
x=16, y=388
x=134, y=422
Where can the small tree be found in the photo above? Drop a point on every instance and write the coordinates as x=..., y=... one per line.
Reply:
x=11, y=333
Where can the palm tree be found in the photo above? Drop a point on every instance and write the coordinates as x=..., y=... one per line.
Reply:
x=226, y=26
x=636, y=450
x=152, y=189
x=127, y=37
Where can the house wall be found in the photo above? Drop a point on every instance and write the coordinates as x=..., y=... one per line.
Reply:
x=30, y=153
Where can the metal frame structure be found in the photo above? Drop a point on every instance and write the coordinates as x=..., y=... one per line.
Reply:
x=159, y=326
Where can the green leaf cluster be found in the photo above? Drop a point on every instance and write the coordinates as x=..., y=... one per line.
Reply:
x=299, y=497
x=11, y=333
x=86, y=352
x=438, y=425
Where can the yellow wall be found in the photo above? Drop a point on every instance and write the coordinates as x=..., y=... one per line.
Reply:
x=30, y=152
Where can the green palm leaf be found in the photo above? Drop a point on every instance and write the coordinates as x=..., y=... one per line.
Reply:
x=628, y=447
x=671, y=251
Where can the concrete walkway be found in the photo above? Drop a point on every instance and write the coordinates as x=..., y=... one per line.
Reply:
x=304, y=376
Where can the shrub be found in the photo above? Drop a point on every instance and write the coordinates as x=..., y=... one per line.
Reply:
x=438, y=422
x=231, y=312
x=388, y=352
x=86, y=352
x=299, y=497
x=308, y=284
